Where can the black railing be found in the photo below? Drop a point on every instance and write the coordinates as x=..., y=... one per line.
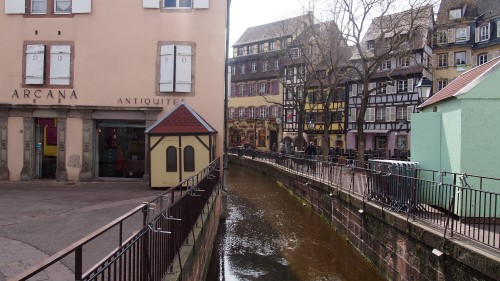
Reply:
x=168, y=222
x=458, y=203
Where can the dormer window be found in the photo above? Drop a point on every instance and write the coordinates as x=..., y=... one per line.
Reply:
x=455, y=14
x=261, y=47
x=371, y=44
x=294, y=52
x=272, y=45
x=484, y=32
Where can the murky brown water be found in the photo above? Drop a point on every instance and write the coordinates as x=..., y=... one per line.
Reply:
x=269, y=235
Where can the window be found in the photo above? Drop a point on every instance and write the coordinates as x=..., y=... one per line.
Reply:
x=409, y=112
x=402, y=142
x=460, y=58
x=242, y=113
x=252, y=113
x=484, y=32
x=272, y=45
x=482, y=58
x=461, y=34
x=249, y=50
x=251, y=89
x=441, y=84
x=390, y=114
x=386, y=65
x=288, y=94
x=254, y=67
x=353, y=90
x=442, y=37
x=404, y=61
x=177, y=4
x=370, y=114
x=171, y=159
x=240, y=51
x=275, y=111
x=264, y=66
x=274, y=87
x=233, y=70
x=402, y=86
x=442, y=60
x=289, y=116
x=382, y=87
x=47, y=7
x=263, y=88
x=261, y=47
x=232, y=113
x=371, y=44
x=243, y=67
x=294, y=52
x=277, y=64
x=189, y=159
x=402, y=113
x=176, y=68
x=352, y=115
x=455, y=14
x=263, y=112
x=52, y=69
x=241, y=91
x=380, y=114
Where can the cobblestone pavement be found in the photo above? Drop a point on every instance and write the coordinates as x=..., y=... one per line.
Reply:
x=40, y=218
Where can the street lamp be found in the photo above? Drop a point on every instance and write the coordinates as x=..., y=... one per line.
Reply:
x=310, y=125
x=424, y=89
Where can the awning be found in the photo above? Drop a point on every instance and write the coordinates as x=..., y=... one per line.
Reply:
x=370, y=131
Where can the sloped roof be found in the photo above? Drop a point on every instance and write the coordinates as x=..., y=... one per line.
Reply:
x=418, y=21
x=181, y=120
x=473, y=9
x=463, y=83
x=282, y=28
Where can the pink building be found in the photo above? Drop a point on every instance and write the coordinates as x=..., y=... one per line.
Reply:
x=81, y=80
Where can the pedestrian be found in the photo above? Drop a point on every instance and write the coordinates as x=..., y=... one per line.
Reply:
x=310, y=149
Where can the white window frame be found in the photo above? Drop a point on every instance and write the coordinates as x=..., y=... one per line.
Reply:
x=401, y=113
x=403, y=86
x=277, y=64
x=39, y=12
x=455, y=14
x=380, y=114
x=254, y=67
x=390, y=114
x=442, y=37
x=442, y=60
x=370, y=114
x=264, y=66
x=441, y=83
x=404, y=61
x=409, y=112
x=177, y=5
x=371, y=45
x=62, y=12
x=243, y=68
x=386, y=65
x=464, y=61
x=352, y=115
x=461, y=34
x=484, y=32
x=382, y=88
x=263, y=112
x=263, y=88
x=261, y=48
x=272, y=45
x=294, y=52
x=482, y=59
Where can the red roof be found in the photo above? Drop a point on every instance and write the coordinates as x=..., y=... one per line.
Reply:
x=181, y=120
x=467, y=78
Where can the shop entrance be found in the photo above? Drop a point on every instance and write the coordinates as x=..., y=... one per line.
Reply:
x=45, y=148
x=121, y=148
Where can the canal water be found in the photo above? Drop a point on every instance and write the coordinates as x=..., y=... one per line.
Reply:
x=270, y=235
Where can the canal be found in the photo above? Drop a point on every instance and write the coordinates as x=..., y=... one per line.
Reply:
x=270, y=235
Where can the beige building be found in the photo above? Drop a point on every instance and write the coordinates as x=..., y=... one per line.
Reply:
x=467, y=34
x=82, y=80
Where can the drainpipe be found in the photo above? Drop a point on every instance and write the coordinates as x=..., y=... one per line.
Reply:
x=225, y=157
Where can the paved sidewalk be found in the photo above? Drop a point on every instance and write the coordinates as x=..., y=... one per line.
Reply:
x=40, y=218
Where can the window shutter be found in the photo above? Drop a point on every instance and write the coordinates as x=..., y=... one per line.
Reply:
x=474, y=61
x=233, y=91
x=167, y=68
x=15, y=7
x=183, y=69
x=409, y=112
x=490, y=30
x=451, y=59
x=60, y=65
x=35, y=63
x=151, y=4
x=81, y=6
x=245, y=90
x=451, y=35
x=410, y=85
x=477, y=35
x=390, y=89
x=467, y=33
x=200, y=4
x=468, y=55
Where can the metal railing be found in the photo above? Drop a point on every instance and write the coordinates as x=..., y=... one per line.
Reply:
x=457, y=203
x=168, y=221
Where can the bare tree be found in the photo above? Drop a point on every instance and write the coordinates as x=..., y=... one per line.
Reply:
x=391, y=34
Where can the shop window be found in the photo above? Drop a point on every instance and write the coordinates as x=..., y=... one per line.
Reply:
x=171, y=159
x=189, y=159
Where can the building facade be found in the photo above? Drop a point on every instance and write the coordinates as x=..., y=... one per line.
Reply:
x=467, y=34
x=83, y=79
x=256, y=99
x=393, y=97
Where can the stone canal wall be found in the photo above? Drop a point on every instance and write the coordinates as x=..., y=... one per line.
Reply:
x=398, y=246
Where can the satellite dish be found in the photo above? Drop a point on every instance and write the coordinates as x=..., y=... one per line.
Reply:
x=278, y=120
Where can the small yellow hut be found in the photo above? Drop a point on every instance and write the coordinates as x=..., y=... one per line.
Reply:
x=181, y=144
